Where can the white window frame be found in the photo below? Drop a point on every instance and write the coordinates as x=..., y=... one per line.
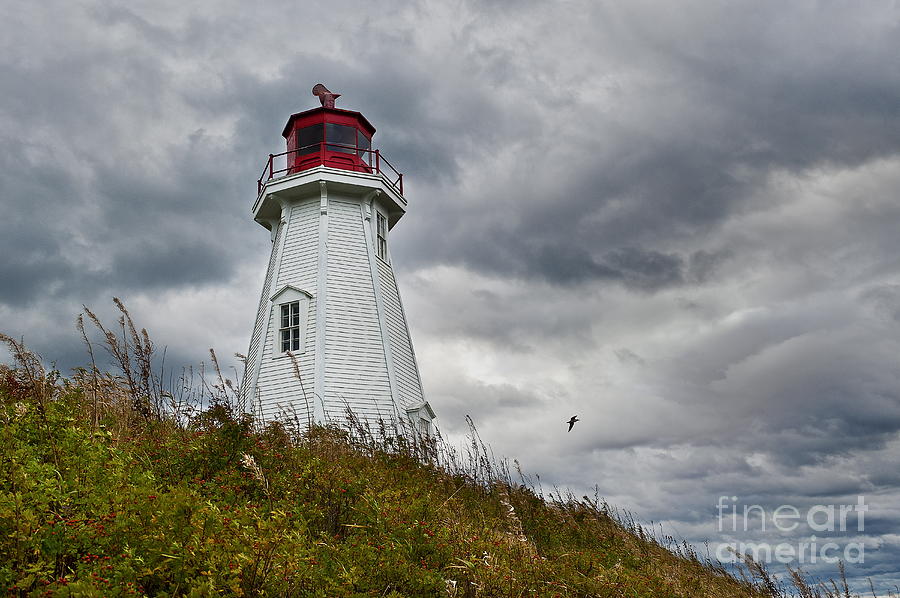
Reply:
x=289, y=295
x=381, y=231
x=421, y=417
x=289, y=320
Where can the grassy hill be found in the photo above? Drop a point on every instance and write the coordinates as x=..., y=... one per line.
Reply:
x=104, y=494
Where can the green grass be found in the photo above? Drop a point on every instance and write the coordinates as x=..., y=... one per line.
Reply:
x=99, y=500
x=112, y=486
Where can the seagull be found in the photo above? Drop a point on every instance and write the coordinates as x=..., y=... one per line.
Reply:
x=326, y=97
x=572, y=421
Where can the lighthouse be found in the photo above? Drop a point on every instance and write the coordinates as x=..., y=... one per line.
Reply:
x=330, y=332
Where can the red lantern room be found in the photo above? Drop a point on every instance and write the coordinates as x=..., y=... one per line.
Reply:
x=329, y=137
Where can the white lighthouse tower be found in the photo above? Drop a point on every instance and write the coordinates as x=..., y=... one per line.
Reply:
x=330, y=331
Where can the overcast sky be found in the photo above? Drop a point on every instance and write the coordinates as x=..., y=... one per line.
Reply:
x=677, y=220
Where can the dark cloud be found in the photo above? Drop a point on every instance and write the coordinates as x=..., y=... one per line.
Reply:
x=27, y=277
x=687, y=152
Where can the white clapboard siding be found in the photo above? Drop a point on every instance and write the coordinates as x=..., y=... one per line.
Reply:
x=279, y=389
x=356, y=370
x=281, y=393
x=356, y=350
x=406, y=372
x=259, y=325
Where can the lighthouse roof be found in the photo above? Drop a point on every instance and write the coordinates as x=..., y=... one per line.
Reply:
x=325, y=113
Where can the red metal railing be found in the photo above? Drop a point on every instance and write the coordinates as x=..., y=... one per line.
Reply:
x=358, y=159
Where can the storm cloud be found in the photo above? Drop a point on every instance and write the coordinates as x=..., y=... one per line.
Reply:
x=677, y=221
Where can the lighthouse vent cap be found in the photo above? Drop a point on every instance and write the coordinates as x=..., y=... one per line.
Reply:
x=326, y=97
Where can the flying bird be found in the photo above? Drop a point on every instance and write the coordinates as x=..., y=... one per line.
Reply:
x=326, y=97
x=572, y=421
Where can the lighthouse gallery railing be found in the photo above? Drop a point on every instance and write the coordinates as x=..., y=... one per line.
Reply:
x=370, y=161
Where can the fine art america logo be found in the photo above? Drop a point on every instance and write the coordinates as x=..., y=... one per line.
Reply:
x=819, y=519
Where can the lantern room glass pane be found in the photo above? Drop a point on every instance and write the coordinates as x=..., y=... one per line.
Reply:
x=309, y=138
x=363, y=143
x=344, y=135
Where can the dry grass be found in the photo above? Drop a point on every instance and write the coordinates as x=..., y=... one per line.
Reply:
x=165, y=488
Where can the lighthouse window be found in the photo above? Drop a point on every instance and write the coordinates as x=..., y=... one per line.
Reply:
x=309, y=138
x=381, y=226
x=290, y=326
x=363, y=144
x=345, y=136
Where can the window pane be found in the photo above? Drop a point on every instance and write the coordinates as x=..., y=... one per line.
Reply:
x=343, y=135
x=364, y=143
x=289, y=332
x=309, y=136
